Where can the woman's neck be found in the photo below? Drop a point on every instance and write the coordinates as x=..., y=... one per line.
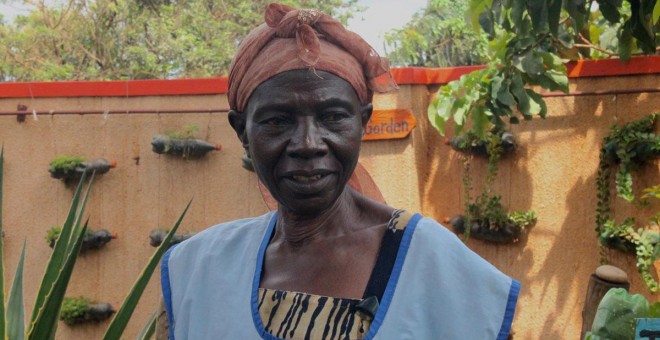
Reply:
x=298, y=230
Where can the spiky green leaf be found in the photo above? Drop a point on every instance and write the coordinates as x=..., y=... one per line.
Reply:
x=62, y=246
x=2, y=266
x=120, y=320
x=45, y=324
x=15, y=308
x=149, y=328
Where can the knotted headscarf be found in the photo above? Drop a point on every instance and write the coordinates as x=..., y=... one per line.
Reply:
x=305, y=39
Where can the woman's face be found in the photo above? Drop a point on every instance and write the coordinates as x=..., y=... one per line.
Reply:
x=303, y=131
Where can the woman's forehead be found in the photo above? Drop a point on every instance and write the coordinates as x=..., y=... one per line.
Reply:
x=305, y=85
x=304, y=76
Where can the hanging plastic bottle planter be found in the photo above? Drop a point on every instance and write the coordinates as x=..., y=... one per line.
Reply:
x=91, y=240
x=182, y=143
x=472, y=144
x=247, y=162
x=81, y=310
x=186, y=148
x=156, y=237
x=73, y=167
x=506, y=231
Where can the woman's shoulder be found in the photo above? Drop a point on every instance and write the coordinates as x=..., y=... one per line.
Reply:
x=438, y=244
x=434, y=230
x=227, y=233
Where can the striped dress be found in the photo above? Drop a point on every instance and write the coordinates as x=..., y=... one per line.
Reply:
x=295, y=315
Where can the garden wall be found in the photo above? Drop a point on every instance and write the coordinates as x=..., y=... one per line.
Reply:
x=553, y=172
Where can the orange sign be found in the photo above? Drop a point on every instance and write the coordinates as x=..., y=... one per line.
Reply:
x=389, y=124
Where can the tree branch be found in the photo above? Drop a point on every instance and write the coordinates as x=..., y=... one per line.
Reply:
x=588, y=44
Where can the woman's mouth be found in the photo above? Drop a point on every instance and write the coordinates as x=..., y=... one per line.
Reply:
x=308, y=183
x=307, y=179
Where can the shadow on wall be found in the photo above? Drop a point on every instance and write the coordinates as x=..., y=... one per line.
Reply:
x=443, y=197
x=566, y=267
x=553, y=173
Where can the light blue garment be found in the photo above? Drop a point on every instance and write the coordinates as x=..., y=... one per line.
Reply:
x=438, y=289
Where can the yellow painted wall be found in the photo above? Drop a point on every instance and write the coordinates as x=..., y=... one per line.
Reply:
x=552, y=172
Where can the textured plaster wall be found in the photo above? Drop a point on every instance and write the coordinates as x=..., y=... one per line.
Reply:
x=552, y=172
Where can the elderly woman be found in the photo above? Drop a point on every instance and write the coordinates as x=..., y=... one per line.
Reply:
x=330, y=263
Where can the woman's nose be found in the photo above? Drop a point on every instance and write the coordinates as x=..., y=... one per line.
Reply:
x=307, y=140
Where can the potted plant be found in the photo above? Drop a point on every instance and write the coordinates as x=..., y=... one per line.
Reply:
x=628, y=147
x=485, y=218
x=182, y=143
x=490, y=222
x=91, y=240
x=473, y=144
x=72, y=167
x=81, y=309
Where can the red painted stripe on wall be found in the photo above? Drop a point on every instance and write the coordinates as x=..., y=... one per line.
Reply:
x=114, y=88
x=404, y=75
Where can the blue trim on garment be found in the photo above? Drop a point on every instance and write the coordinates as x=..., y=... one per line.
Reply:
x=167, y=290
x=394, y=276
x=254, y=300
x=509, y=311
x=387, y=296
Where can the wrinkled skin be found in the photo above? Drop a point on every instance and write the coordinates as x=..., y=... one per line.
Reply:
x=303, y=131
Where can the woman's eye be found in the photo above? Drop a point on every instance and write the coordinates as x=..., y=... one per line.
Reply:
x=334, y=116
x=275, y=121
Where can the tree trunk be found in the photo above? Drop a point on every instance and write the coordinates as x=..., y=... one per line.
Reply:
x=605, y=278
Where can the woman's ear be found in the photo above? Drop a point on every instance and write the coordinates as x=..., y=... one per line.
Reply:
x=237, y=122
x=367, y=110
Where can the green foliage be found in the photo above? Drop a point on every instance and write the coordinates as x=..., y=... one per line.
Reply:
x=43, y=323
x=74, y=309
x=120, y=320
x=149, y=328
x=644, y=243
x=53, y=234
x=50, y=296
x=487, y=208
x=616, y=315
x=2, y=264
x=437, y=36
x=653, y=192
x=523, y=218
x=120, y=39
x=65, y=163
x=189, y=131
x=529, y=43
x=633, y=144
x=15, y=308
x=628, y=147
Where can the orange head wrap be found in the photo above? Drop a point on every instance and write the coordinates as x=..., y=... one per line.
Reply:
x=305, y=39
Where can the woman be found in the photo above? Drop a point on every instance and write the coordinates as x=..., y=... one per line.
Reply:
x=330, y=263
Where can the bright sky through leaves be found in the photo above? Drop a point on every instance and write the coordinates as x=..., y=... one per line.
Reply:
x=379, y=17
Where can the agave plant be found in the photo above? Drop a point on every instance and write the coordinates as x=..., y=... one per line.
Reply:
x=44, y=320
